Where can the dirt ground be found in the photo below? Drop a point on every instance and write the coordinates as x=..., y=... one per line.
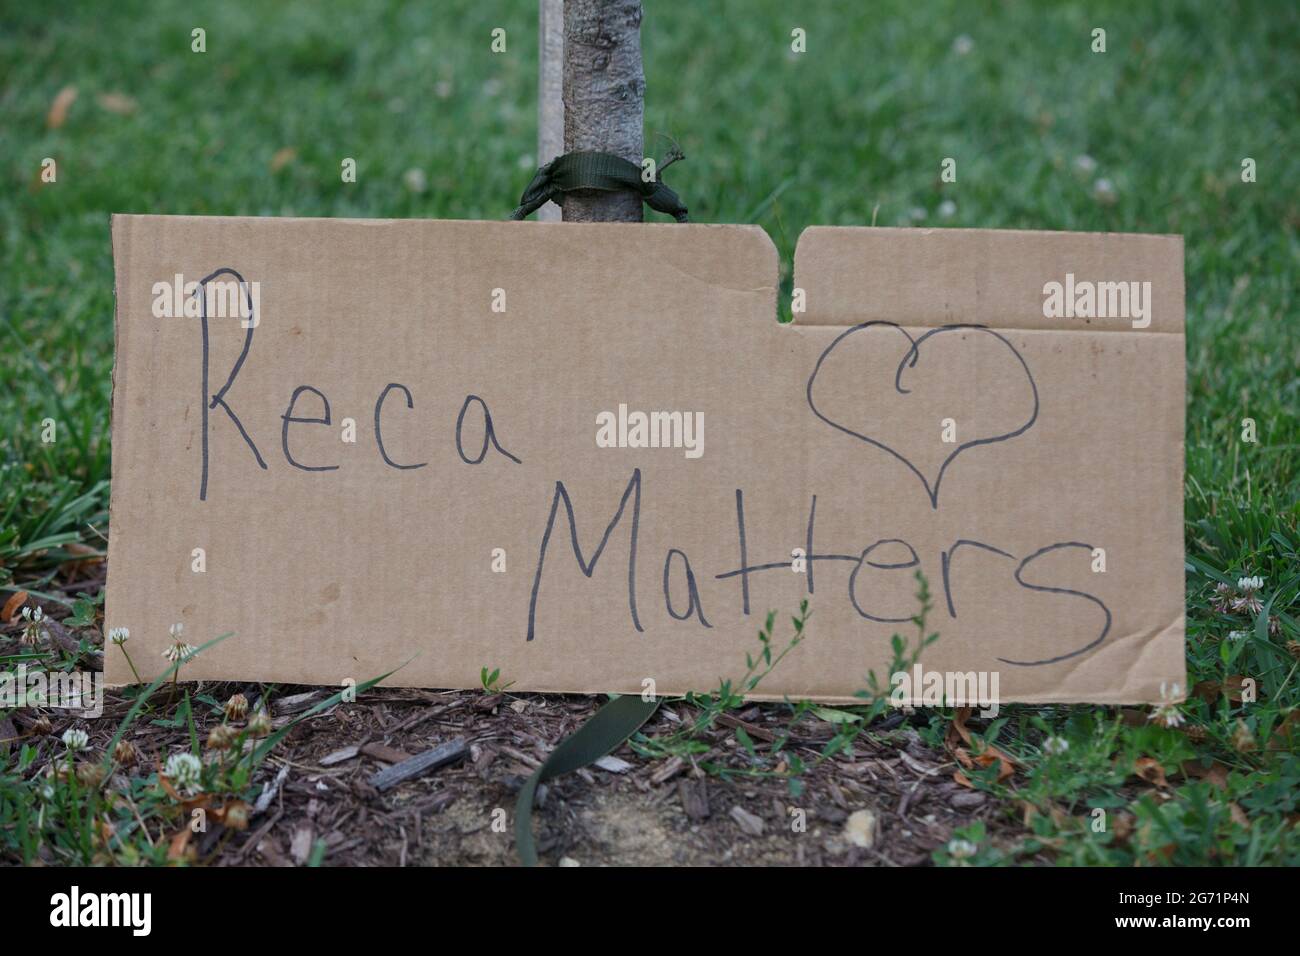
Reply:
x=639, y=812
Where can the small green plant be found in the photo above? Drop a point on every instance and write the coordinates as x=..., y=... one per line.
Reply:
x=730, y=695
x=492, y=681
x=115, y=811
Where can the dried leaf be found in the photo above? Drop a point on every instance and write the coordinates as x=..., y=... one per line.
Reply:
x=13, y=607
x=957, y=730
x=1234, y=687
x=118, y=103
x=1208, y=691
x=1216, y=773
x=180, y=848
x=234, y=814
x=1238, y=815
x=1149, y=769
x=1287, y=734
x=986, y=754
x=1132, y=717
x=58, y=114
x=200, y=801
x=990, y=756
x=282, y=158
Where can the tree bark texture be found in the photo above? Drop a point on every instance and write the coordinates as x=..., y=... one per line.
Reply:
x=604, y=94
x=550, y=91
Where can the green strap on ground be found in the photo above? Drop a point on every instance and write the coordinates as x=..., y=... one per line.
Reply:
x=602, y=171
x=605, y=731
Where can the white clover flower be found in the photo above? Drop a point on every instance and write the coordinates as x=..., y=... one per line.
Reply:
x=962, y=45
x=1103, y=190
x=1248, y=603
x=179, y=651
x=916, y=214
x=1166, y=713
x=177, y=631
x=1250, y=584
x=1055, y=746
x=118, y=635
x=947, y=209
x=1238, y=635
x=75, y=739
x=183, y=769
x=33, y=627
x=415, y=180
x=1085, y=164
x=961, y=849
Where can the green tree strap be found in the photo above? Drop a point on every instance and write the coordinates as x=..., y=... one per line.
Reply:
x=603, y=171
x=610, y=726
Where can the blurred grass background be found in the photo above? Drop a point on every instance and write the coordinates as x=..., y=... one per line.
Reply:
x=851, y=132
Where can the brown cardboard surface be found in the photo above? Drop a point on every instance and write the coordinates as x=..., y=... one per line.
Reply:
x=827, y=435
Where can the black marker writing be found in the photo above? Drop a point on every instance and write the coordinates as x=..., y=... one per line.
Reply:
x=1039, y=587
x=864, y=562
x=290, y=419
x=633, y=491
x=212, y=401
x=908, y=361
x=489, y=433
x=379, y=435
x=694, y=605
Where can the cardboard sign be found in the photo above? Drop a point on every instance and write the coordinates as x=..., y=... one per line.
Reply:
x=590, y=456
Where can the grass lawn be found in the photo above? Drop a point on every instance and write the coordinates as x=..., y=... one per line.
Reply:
x=1149, y=136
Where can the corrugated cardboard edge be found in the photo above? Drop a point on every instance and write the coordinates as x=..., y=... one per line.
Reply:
x=119, y=268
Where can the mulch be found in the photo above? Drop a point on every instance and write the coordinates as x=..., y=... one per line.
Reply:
x=318, y=785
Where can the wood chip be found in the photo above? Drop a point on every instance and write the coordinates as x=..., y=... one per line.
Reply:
x=382, y=752
x=532, y=763
x=748, y=822
x=269, y=791
x=340, y=755
x=754, y=731
x=694, y=795
x=297, y=703
x=613, y=764
x=915, y=765
x=861, y=828
x=300, y=846
x=667, y=771
x=420, y=764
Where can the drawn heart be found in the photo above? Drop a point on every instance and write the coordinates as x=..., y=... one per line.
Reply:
x=909, y=361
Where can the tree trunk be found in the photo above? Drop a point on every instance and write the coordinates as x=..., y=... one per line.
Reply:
x=604, y=90
x=550, y=91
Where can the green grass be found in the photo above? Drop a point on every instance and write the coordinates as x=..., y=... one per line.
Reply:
x=851, y=132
